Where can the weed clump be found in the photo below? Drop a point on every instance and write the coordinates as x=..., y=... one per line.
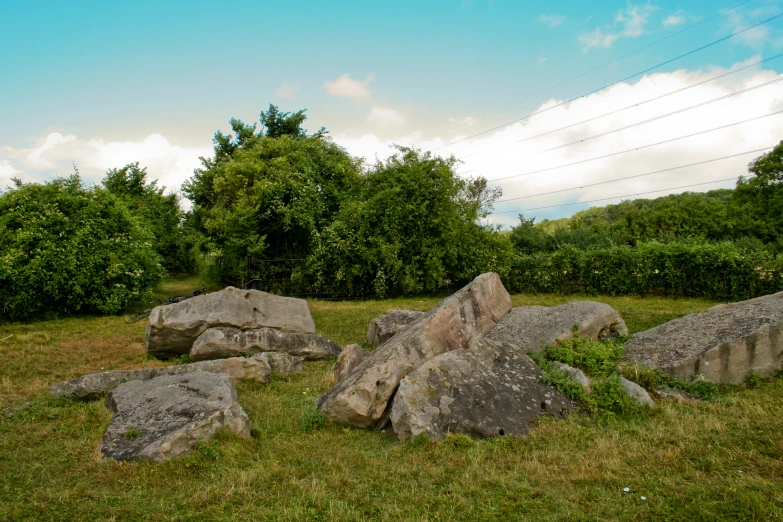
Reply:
x=602, y=363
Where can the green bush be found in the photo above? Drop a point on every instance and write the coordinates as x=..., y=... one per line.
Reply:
x=713, y=270
x=66, y=249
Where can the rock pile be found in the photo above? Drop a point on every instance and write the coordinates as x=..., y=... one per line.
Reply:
x=238, y=322
x=361, y=398
x=462, y=367
x=163, y=412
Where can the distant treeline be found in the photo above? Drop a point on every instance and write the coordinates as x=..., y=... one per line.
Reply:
x=282, y=210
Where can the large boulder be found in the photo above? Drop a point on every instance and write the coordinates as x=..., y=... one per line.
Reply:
x=724, y=343
x=351, y=356
x=383, y=328
x=534, y=327
x=167, y=416
x=488, y=390
x=226, y=341
x=362, y=397
x=95, y=385
x=172, y=328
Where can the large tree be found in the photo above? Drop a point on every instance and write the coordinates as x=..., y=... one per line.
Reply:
x=414, y=227
x=267, y=194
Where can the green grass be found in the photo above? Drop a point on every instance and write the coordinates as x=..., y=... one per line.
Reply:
x=717, y=460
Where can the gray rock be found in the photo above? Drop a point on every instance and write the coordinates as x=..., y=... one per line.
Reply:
x=488, y=390
x=576, y=375
x=673, y=394
x=221, y=342
x=95, y=385
x=724, y=344
x=172, y=328
x=349, y=359
x=534, y=327
x=165, y=417
x=363, y=396
x=282, y=363
x=637, y=392
x=383, y=328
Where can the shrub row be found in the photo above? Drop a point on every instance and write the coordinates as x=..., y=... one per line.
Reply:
x=713, y=270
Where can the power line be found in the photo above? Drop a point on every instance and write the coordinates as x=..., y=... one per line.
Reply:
x=656, y=98
x=662, y=116
x=732, y=35
x=639, y=175
x=614, y=197
x=631, y=150
x=468, y=120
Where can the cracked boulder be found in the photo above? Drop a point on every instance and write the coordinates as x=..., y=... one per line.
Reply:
x=225, y=341
x=95, y=385
x=172, y=329
x=361, y=399
x=534, y=327
x=489, y=390
x=167, y=416
x=724, y=344
x=383, y=328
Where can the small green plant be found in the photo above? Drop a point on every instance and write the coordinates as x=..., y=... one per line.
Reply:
x=132, y=434
x=207, y=452
x=653, y=378
x=754, y=380
x=596, y=358
x=312, y=419
x=182, y=359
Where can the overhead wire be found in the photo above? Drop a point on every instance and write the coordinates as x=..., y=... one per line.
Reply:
x=670, y=169
x=662, y=116
x=649, y=100
x=715, y=42
x=613, y=197
x=587, y=160
x=547, y=89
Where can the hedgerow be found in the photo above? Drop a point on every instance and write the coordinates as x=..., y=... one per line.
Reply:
x=713, y=270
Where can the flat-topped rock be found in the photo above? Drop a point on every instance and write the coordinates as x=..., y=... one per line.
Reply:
x=95, y=385
x=173, y=328
x=226, y=341
x=534, y=327
x=383, y=328
x=167, y=416
x=489, y=390
x=363, y=396
x=724, y=343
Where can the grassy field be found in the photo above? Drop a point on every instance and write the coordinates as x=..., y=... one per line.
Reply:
x=718, y=460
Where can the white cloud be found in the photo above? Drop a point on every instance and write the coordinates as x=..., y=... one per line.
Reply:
x=552, y=20
x=287, y=91
x=385, y=117
x=467, y=121
x=55, y=154
x=633, y=21
x=673, y=20
x=347, y=87
x=597, y=38
x=501, y=154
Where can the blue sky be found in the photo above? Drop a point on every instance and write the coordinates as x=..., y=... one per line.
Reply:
x=121, y=72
